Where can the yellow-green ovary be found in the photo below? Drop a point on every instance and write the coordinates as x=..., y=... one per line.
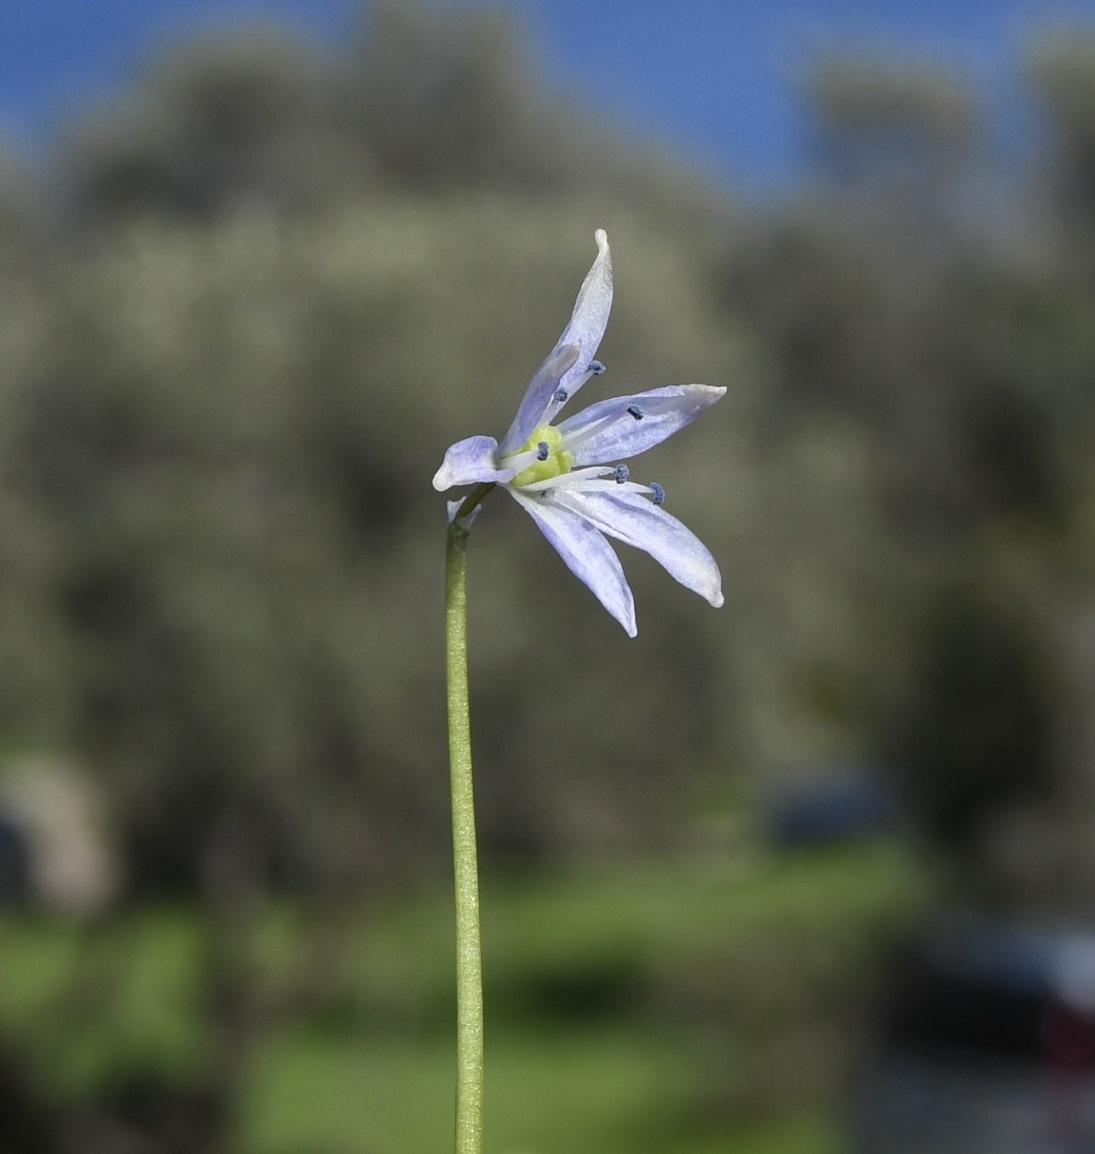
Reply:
x=558, y=461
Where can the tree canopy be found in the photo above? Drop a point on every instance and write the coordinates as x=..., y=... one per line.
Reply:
x=252, y=301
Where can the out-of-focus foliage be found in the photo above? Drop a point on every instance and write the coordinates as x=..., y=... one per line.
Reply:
x=278, y=286
x=1062, y=74
x=659, y=1022
x=926, y=345
x=263, y=291
x=227, y=440
x=428, y=103
x=892, y=130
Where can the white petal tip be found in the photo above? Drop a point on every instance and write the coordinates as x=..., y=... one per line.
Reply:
x=625, y=616
x=470, y=462
x=601, y=237
x=717, y=599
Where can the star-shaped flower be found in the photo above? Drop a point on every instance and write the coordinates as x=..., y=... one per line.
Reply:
x=561, y=476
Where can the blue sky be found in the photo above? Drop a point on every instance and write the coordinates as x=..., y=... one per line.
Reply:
x=717, y=78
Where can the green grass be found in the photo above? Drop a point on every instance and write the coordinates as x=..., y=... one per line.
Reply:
x=638, y=918
x=89, y=1006
x=599, y=1092
x=603, y=990
x=661, y=1007
x=606, y=1092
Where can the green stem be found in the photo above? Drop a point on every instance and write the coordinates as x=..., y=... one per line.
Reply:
x=469, y=964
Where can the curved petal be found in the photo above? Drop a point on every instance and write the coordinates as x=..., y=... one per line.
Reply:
x=586, y=553
x=470, y=462
x=609, y=430
x=567, y=365
x=539, y=395
x=636, y=521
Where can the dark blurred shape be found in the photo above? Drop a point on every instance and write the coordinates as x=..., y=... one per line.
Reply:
x=988, y=1047
x=974, y=736
x=996, y=988
x=14, y=861
x=29, y=1122
x=833, y=810
x=1062, y=71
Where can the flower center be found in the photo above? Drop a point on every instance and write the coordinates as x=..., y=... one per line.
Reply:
x=552, y=463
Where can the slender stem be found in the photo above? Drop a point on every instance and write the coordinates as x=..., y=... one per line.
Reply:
x=469, y=965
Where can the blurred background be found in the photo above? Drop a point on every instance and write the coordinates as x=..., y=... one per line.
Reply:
x=810, y=874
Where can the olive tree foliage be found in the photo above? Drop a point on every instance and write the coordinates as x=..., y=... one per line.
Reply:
x=277, y=285
x=260, y=294
x=225, y=438
x=1061, y=70
x=425, y=102
x=246, y=117
x=896, y=139
x=935, y=365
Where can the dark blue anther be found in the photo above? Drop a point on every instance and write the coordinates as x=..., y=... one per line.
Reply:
x=560, y=396
x=596, y=368
x=542, y=451
x=636, y=411
x=622, y=474
x=659, y=492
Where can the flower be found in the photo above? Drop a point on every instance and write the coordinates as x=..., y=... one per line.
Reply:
x=560, y=475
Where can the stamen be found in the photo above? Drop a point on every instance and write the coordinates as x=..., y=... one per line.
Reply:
x=596, y=368
x=579, y=479
x=542, y=451
x=519, y=461
x=636, y=411
x=659, y=492
x=560, y=396
x=622, y=474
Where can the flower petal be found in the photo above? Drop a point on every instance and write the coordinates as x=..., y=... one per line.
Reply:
x=539, y=395
x=631, y=518
x=586, y=553
x=610, y=431
x=470, y=462
x=567, y=365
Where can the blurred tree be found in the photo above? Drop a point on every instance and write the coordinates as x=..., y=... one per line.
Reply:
x=426, y=103
x=975, y=737
x=300, y=276
x=21, y=229
x=897, y=137
x=940, y=357
x=445, y=100
x=1062, y=74
x=229, y=432
x=239, y=119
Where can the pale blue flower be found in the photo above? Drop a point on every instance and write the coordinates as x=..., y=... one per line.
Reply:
x=562, y=477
